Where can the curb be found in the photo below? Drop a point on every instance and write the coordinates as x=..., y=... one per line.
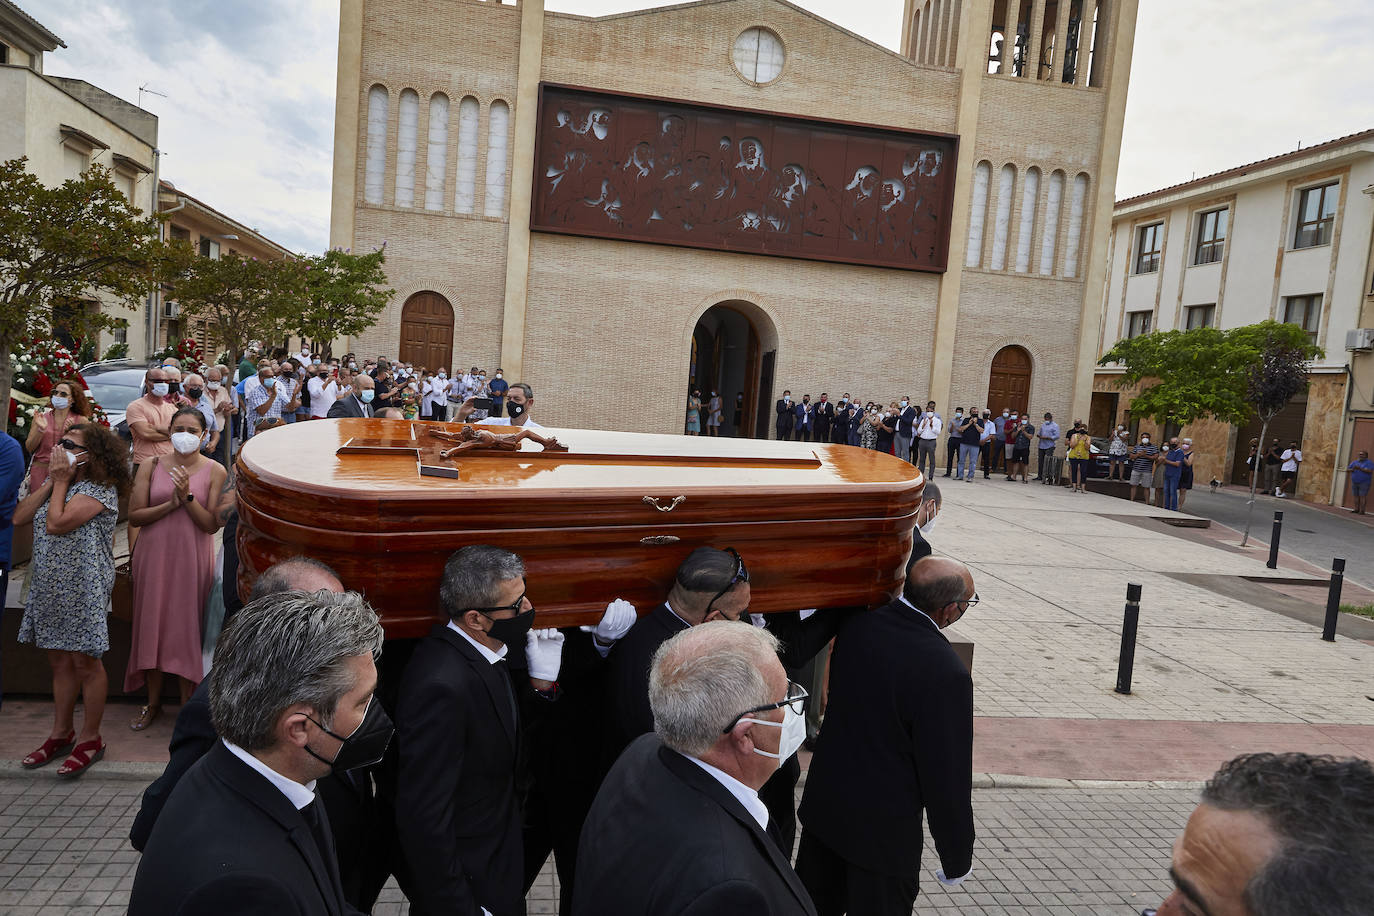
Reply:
x=122, y=770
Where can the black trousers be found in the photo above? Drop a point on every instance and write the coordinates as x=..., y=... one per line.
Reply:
x=951, y=454
x=838, y=886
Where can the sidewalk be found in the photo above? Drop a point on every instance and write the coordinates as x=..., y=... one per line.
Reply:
x=1214, y=675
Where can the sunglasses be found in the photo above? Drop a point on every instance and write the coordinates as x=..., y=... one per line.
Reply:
x=516, y=607
x=741, y=574
x=71, y=446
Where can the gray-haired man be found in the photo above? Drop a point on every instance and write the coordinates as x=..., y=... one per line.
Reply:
x=678, y=825
x=291, y=695
x=1278, y=834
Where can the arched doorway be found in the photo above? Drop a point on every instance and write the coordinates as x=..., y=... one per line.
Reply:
x=1009, y=384
x=732, y=351
x=427, y=331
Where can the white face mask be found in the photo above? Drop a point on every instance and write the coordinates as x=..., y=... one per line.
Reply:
x=185, y=443
x=929, y=526
x=60, y=403
x=160, y=389
x=793, y=733
x=1005, y=414
x=213, y=386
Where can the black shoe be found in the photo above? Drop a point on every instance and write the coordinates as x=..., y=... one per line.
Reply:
x=1037, y=478
x=946, y=474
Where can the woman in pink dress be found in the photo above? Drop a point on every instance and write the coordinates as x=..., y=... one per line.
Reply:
x=69, y=407
x=176, y=504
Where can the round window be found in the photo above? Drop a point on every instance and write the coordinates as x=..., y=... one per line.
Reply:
x=758, y=55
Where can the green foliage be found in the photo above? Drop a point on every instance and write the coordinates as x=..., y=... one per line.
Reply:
x=116, y=351
x=1205, y=372
x=344, y=294
x=79, y=240
x=244, y=299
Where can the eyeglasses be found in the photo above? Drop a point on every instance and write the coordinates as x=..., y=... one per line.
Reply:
x=741, y=575
x=516, y=607
x=796, y=699
x=969, y=603
x=71, y=446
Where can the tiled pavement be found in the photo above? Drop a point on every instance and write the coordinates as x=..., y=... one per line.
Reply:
x=1053, y=852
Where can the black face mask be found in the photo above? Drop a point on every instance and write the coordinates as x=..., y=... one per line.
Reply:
x=173, y=387
x=512, y=630
x=193, y=393
x=366, y=746
x=515, y=410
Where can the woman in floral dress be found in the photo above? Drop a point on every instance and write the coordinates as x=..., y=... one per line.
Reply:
x=73, y=515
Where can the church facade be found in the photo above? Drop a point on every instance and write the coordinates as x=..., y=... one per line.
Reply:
x=738, y=196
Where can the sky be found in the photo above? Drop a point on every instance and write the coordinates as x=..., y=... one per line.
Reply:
x=246, y=111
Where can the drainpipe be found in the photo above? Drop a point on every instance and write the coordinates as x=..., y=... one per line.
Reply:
x=156, y=296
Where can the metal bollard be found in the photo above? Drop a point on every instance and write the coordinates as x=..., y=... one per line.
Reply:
x=1274, y=541
x=1125, y=664
x=1333, y=599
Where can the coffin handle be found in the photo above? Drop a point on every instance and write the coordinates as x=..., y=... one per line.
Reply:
x=653, y=501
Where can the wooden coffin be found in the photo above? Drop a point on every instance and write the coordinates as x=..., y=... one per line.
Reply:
x=818, y=525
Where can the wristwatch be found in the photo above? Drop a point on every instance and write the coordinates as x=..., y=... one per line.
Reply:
x=190, y=497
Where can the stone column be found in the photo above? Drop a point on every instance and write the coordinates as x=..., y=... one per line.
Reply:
x=1061, y=38
x=347, y=103
x=522, y=188
x=974, y=27
x=1037, y=25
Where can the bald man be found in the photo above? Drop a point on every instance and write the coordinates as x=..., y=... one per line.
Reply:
x=897, y=740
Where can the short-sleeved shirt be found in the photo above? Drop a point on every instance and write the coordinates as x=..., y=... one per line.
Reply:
x=157, y=413
x=1291, y=457
x=1175, y=454
x=1143, y=457
x=498, y=388
x=260, y=395
x=1361, y=471
x=1049, y=432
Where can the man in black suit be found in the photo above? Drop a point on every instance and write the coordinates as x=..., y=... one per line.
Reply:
x=678, y=827
x=786, y=418
x=458, y=720
x=906, y=428
x=897, y=739
x=839, y=430
x=710, y=585
x=825, y=415
x=194, y=735
x=291, y=699
x=356, y=403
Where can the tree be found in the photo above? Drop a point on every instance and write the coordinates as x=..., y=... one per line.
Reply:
x=1225, y=375
x=74, y=242
x=344, y=294
x=1281, y=374
x=246, y=299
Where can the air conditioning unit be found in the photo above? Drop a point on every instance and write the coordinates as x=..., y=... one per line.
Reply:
x=1359, y=339
x=170, y=309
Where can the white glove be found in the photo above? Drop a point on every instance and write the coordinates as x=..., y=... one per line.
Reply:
x=544, y=653
x=806, y=613
x=616, y=622
x=758, y=620
x=951, y=882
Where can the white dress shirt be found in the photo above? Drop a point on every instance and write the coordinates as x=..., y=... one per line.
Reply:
x=322, y=396
x=299, y=795
x=929, y=426
x=746, y=796
x=488, y=654
x=506, y=421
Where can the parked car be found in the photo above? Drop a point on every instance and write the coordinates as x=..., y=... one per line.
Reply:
x=1099, y=465
x=115, y=384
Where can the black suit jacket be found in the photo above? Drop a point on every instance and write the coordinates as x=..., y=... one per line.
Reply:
x=457, y=814
x=193, y=736
x=627, y=678
x=230, y=842
x=785, y=418
x=824, y=415
x=665, y=838
x=906, y=420
x=897, y=738
x=349, y=406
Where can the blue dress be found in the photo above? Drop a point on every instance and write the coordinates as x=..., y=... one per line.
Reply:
x=73, y=575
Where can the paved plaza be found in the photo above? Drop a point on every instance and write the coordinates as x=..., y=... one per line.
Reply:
x=1081, y=791
x=1084, y=851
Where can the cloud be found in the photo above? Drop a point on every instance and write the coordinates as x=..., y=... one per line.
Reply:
x=247, y=121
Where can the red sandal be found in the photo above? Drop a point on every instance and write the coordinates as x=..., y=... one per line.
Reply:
x=83, y=755
x=50, y=751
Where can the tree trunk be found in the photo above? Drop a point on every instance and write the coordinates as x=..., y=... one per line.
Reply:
x=6, y=379
x=1254, y=481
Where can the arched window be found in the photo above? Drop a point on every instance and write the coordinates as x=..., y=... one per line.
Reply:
x=1077, y=205
x=408, y=125
x=1006, y=187
x=465, y=201
x=978, y=214
x=374, y=176
x=1054, y=199
x=498, y=131
x=1030, y=195
x=436, y=160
